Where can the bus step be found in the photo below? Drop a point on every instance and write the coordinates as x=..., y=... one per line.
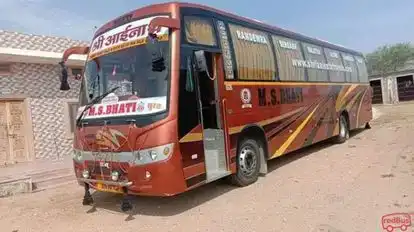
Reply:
x=215, y=175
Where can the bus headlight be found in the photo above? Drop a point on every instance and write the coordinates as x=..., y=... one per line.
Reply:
x=115, y=175
x=85, y=173
x=77, y=155
x=147, y=175
x=153, y=154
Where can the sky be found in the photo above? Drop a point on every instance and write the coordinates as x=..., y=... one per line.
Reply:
x=358, y=24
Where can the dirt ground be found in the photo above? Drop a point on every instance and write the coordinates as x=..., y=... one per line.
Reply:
x=335, y=188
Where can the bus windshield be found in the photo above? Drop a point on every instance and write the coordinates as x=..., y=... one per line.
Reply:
x=132, y=71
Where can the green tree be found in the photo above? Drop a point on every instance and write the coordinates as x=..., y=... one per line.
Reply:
x=389, y=58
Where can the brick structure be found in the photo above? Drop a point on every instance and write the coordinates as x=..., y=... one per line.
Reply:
x=29, y=72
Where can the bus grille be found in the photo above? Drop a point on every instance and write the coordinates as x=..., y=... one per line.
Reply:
x=102, y=170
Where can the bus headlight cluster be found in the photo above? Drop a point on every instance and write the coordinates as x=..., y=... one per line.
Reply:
x=115, y=175
x=85, y=173
x=147, y=175
x=77, y=155
x=153, y=154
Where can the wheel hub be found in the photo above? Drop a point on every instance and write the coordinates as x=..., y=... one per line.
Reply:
x=247, y=160
x=343, y=130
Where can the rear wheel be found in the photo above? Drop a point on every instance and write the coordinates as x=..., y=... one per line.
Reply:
x=248, y=163
x=343, y=130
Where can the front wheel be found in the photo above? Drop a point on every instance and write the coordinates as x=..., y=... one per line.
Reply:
x=343, y=130
x=248, y=163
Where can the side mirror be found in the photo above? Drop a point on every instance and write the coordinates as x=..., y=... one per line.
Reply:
x=81, y=50
x=163, y=22
x=157, y=59
x=201, y=61
x=64, y=84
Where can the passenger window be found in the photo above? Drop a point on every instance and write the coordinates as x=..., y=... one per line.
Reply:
x=290, y=59
x=199, y=31
x=362, y=69
x=349, y=62
x=317, y=70
x=254, y=56
x=336, y=68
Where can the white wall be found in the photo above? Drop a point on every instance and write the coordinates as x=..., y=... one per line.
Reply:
x=40, y=82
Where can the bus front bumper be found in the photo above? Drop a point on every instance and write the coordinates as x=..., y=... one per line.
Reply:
x=106, y=182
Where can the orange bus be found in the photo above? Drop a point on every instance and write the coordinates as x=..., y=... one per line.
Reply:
x=177, y=95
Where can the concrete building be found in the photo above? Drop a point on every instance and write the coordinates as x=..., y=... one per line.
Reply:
x=36, y=118
x=394, y=87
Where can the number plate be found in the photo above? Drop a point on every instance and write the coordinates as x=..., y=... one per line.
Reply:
x=108, y=188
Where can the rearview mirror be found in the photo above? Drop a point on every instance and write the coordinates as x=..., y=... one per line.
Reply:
x=157, y=59
x=158, y=62
x=201, y=61
x=81, y=50
x=64, y=84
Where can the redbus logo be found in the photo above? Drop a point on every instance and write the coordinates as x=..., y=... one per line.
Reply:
x=390, y=222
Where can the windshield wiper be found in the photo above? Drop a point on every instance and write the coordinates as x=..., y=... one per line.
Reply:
x=93, y=102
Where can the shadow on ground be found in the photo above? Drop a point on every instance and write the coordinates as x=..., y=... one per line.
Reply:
x=169, y=206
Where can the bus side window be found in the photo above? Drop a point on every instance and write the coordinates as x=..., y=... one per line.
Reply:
x=199, y=31
x=253, y=54
x=334, y=59
x=349, y=62
x=290, y=59
x=362, y=69
x=315, y=54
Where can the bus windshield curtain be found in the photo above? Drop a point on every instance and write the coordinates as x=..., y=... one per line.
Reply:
x=199, y=31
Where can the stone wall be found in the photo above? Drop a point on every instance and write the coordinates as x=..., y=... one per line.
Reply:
x=47, y=104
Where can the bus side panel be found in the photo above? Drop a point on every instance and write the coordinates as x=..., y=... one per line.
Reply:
x=291, y=126
x=192, y=152
x=279, y=119
x=365, y=110
x=351, y=106
x=297, y=133
x=324, y=120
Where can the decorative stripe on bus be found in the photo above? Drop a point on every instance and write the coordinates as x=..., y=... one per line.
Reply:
x=238, y=129
x=341, y=99
x=359, y=107
x=292, y=137
x=353, y=101
x=288, y=83
x=191, y=137
x=327, y=114
x=194, y=137
x=285, y=124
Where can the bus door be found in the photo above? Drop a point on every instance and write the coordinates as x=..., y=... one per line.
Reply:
x=210, y=106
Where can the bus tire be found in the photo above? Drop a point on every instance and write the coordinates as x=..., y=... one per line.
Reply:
x=343, y=130
x=247, y=163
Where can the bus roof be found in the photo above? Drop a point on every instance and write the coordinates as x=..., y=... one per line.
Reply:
x=279, y=30
x=265, y=26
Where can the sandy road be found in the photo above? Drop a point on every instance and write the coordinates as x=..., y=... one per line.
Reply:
x=335, y=188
